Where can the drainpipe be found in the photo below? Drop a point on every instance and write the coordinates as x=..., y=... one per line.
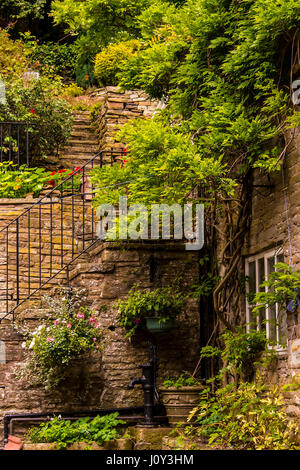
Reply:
x=130, y=413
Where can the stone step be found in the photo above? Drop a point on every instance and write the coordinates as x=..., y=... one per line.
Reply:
x=82, y=121
x=75, y=141
x=80, y=151
x=84, y=135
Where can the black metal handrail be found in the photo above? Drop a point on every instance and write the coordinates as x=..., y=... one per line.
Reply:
x=14, y=142
x=55, y=246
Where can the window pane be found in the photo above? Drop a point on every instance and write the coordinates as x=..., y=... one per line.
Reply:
x=280, y=258
x=271, y=310
x=261, y=278
x=252, y=290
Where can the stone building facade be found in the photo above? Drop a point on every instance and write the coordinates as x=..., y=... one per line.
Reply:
x=107, y=272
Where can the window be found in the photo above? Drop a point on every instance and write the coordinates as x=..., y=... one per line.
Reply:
x=269, y=319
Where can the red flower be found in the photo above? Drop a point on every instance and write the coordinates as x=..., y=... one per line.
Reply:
x=124, y=151
x=123, y=162
x=32, y=111
x=51, y=183
x=53, y=173
x=78, y=168
x=62, y=171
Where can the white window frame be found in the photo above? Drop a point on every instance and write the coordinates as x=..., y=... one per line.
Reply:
x=266, y=255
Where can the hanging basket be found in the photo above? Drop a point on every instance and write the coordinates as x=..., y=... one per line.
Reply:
x=155, y=326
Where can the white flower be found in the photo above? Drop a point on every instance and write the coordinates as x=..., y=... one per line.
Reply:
x=32, y=344
x=23, y=345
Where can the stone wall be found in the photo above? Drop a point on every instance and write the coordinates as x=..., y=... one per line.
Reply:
x=117, y=109
x=107, y=272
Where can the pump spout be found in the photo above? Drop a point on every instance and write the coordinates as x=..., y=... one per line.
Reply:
x=134, y=382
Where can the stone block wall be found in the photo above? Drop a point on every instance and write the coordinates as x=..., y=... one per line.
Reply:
x=117, y=109
x=107, y=272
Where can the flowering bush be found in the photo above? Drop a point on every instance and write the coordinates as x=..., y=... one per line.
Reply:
x=70, y=331
x=17, y=182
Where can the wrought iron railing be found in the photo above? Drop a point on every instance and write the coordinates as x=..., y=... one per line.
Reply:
x=14, y=142
x=44, y=241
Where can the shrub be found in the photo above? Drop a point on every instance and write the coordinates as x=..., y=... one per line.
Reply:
x=63, y=432
x=250, y=416
x=58, y=57
x=108, y=61
x=13, y=60
x=164, y=303
x=48, y=115
x=70, y=331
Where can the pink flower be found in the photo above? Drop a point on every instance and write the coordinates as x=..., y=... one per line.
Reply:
x=92, y=320
x=56, y=322
x=69, y=325
x=94, y=339
x=80, y=315
x=50, y=340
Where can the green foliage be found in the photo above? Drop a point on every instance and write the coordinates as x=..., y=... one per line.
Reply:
x=280, y=288
x=18, y=182
x=164, y=303
x=163, y=165
x=64, y=432
x=73, y=90
x=13, y=60
x=98, y=22
x=241, y=352
x=70, y=331
x=109, y=60
x=182, y=381
x=48, y=115
x=51, y=56
x=19, y=9
x=250, y=416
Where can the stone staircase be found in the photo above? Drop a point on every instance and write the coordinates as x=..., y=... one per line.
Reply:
x=83, y=143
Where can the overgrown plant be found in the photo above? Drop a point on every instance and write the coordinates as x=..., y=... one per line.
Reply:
x=224, y=70
x=241, y=353
x=63, y=433
x=70, y=331
x=250, y=416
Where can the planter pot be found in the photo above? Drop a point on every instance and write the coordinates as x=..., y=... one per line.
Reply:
x=179, y=402
x=153, y=325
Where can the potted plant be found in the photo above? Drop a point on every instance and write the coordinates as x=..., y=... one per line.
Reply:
x=154, y=310
x=180, y=396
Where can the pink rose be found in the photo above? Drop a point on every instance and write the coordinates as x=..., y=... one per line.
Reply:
x=50, y=340
x=94, y=339
x=69, y=325
x=92, y=320
x=80, y=315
